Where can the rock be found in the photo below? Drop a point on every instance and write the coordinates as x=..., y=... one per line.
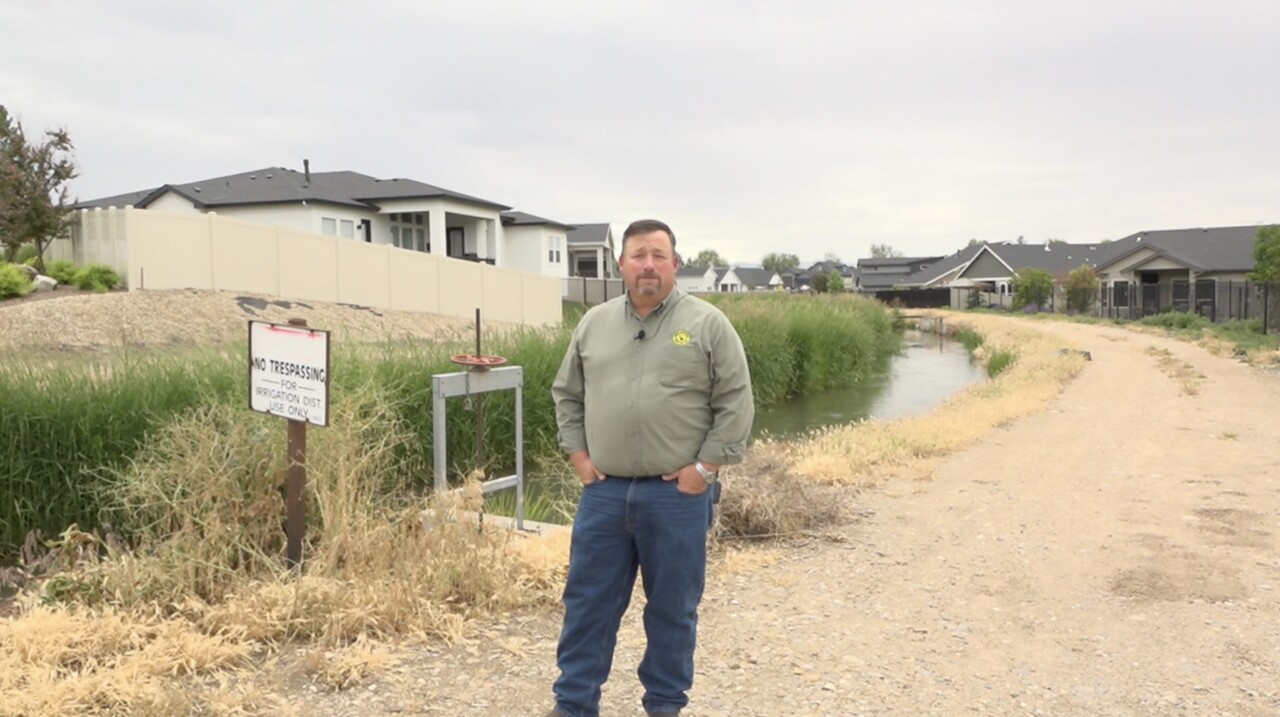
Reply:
x=28, y=270
x=43, y=283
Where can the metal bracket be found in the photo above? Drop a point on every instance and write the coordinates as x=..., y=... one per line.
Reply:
x=465, y=383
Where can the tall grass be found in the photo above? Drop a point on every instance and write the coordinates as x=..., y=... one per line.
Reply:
x=65, y=425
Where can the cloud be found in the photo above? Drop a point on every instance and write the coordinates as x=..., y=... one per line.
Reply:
x=750, y=126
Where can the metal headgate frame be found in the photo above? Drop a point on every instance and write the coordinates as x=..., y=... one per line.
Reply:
x=466, y=383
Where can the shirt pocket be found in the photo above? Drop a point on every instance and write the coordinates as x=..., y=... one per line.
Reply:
x=684, y=367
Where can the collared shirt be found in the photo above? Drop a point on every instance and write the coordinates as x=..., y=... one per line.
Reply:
x=650, y=396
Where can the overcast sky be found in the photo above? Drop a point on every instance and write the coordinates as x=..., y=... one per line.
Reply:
x=805, y=127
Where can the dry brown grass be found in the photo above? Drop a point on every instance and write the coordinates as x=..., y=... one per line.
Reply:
x=157, y=629
x=865, y=452
x=1187, y=376
x=765, y=498
x=111, y=662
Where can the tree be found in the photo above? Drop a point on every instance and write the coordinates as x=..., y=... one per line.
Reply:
x=706, y=259
x=820, y=282
x=1032, y=287
x=1082, y=288
x=972, y=242
x=33, y=186
x=884, y=251
x=779, y=263
x=1266, y=254
x=835, y=282
x=832, y=257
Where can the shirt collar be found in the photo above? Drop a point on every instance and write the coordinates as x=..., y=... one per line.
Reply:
x=672, y=299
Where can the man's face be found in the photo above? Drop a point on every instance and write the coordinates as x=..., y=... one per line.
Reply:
x=648, y=265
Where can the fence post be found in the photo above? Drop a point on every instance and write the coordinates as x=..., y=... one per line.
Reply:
x=1266, y=305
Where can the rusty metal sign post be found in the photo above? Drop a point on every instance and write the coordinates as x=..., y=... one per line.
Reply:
x=289, y=378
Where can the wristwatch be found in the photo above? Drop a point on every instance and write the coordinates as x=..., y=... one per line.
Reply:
x=708, y=475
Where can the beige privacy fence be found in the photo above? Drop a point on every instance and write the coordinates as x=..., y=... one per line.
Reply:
x=168, y=250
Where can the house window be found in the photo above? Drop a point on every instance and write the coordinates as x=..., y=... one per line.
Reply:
x=345, y=228
x=554, y=246
x=409, y=231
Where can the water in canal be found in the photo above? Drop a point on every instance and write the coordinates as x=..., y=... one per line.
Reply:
x=926, y=371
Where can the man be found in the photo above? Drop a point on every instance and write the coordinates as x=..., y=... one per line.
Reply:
x=652, y=398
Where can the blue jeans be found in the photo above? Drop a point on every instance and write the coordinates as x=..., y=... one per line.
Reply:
x=623, y=525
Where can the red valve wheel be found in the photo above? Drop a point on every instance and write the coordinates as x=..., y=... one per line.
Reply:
x=478, y=363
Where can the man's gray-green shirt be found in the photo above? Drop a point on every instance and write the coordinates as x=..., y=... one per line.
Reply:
x=650, y=396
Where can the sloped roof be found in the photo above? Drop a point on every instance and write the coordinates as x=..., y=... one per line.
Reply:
x=1208, y=249
x=897, y=261
x=278, y=185
x=753, y=277
x=691, y=271
x=942, y=267
x=589, y=234
x=522, y=219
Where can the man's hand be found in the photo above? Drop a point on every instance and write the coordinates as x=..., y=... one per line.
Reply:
x=587, y=472
x=689, y=481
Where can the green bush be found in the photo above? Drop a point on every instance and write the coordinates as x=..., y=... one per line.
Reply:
x=969, y=338
x=13, y=282
x=96, y=277
x=999, y=362
x=25, y=254
x=60, y=270
x=1177, y=321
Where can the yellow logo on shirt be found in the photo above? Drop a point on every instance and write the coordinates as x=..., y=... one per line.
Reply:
x=681, y=338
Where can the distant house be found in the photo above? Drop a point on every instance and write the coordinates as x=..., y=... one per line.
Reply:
x=882, y=274
x=695, y=280
x=535, y=244
x=991, y=267
x=1176, y=269
x=591, y=251
x=404, y=213
x=847, y=273
x=746, y=278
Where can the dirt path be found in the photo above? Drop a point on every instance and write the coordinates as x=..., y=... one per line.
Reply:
x=1114, y=555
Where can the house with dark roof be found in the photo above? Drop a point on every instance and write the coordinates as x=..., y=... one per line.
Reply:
x=535, y=244
x=696, y=280
x=882, y=274
x=1176, y=270
x=803, y=281
x=404, y=213
x=746, y=278
x=591, y=251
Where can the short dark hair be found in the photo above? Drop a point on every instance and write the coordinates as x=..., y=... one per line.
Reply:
x=647, y=226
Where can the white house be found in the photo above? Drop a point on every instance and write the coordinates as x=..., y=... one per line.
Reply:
x=694, y=280
x=535, y=244
x=747, y=278
x=591, y=251
x=402, y=212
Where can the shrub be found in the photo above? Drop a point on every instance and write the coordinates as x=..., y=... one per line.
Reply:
x=13, y=282
x=60, y=270
x=1032, y=286
x=999, y=361
x=25, y=254
x=970, y=338
x=97, y=277
x=1176, y=321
